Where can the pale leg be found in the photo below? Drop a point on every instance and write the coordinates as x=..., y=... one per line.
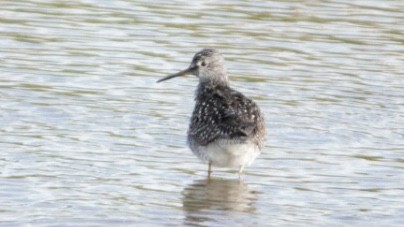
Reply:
x=241, y=173
x=209, y=169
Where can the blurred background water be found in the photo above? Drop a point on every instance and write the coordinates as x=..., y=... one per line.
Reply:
x=88, y=138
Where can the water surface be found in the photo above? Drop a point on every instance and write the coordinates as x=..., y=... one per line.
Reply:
x=88, y=138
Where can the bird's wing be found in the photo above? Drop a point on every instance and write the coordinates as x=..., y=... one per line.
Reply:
x=241, y=117
x=225, y=115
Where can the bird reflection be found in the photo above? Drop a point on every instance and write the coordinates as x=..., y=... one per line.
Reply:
x=203, y=200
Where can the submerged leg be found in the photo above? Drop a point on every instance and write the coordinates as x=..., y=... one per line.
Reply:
x=209, y=169
x=241, y=173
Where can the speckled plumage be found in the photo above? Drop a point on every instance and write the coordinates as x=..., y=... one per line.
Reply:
x=223, y=113
x=226, y=129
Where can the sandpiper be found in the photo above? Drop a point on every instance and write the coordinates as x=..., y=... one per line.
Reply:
x=227, y=129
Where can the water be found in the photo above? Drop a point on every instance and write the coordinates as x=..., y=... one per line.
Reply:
x=88, y=138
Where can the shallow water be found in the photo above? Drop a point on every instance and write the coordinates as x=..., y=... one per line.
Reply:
x=88, y=138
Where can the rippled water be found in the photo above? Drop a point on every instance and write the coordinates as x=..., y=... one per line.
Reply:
x=88, y=138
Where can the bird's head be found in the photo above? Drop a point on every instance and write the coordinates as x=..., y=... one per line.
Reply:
x=207, y=65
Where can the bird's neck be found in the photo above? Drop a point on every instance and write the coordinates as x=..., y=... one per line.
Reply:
x=207, y=88
x=214, y=77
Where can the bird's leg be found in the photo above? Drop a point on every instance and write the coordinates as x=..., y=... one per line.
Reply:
x=209, y=169
x=241, y=173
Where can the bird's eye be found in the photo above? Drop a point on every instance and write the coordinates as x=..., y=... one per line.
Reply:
x=203, y=63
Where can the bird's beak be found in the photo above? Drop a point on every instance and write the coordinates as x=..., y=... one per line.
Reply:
x=185, y=72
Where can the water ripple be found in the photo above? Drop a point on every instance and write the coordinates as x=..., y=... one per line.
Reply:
x=88, y=137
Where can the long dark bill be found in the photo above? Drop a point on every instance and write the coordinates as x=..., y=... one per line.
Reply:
x=181, y=73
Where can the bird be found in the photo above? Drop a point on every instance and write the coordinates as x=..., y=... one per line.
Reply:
x=227, y=129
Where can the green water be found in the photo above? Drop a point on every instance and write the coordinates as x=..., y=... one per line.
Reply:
x=87, y=138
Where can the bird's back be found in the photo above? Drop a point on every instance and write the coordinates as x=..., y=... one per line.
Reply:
x=222, y=113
